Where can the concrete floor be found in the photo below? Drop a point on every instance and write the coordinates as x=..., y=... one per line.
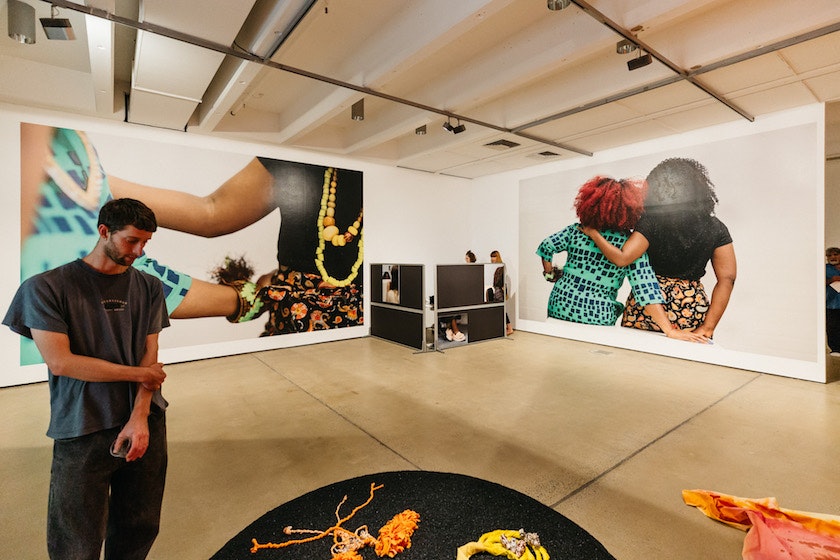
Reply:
x=607, y=437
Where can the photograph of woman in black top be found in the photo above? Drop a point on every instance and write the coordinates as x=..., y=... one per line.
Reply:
x=681, y=235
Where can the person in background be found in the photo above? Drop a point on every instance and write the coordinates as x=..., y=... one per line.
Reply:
x=681, y=235
x=496, y=257
x=832, y=300
x=587, y=289
x=392, y=295
x=96, y=321
x=452, y=332
x=469, y=257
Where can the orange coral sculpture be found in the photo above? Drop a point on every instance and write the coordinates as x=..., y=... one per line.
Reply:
x=394, y=536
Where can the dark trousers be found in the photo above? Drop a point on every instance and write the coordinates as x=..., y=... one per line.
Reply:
x=832, y=329
x=96, y=497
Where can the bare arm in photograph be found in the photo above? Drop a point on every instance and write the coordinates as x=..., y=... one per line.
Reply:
x=725, y=268
x=657, y=313
x=34, y=151
x=240, y=201
x=633, y=248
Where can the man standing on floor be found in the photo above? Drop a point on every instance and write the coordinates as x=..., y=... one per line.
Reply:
x=96, y=322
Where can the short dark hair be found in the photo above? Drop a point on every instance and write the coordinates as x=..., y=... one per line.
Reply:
x=119, y=213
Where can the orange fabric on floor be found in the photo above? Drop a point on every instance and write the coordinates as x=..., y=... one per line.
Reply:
x=774, y=533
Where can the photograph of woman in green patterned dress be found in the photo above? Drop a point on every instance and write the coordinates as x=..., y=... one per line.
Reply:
x=681, y=235
x=586, y=289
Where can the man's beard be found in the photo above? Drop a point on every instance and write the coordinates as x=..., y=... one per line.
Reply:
x=121, y=259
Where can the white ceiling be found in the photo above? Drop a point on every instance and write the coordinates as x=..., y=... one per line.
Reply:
x=550, y=82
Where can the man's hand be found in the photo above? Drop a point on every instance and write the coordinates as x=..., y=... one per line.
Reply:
x=153, y=376
x=137, y=432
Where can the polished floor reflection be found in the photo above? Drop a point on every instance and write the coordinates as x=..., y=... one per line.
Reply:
x=607, y=437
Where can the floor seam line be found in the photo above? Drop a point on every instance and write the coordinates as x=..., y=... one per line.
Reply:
x=340, y=415
x=623, y=461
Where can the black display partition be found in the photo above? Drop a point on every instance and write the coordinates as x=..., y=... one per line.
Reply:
x=397, y=326
x=459, y=285
x=397, y=304
x=485, y=323
x=469, y=304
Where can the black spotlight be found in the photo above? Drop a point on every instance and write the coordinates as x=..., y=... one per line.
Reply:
x=447, y=126
x=639, y=61
x=357, y=111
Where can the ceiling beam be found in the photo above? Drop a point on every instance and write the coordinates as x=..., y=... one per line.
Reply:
x=227, y=50
x=685, y=74
x=767, y=49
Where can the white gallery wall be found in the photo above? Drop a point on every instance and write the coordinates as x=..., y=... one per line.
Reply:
x=409, y=217
x=769, y=177
x=832, y=203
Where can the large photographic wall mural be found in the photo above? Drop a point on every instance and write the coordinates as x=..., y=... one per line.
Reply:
x=241, y=238
x=688, y=222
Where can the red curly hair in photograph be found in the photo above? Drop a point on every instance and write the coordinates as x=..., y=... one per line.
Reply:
x=607, y=203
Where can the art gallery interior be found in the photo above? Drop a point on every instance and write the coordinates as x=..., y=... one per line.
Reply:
x=473, y=124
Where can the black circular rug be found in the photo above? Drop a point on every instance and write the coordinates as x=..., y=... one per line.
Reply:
x=454, y=510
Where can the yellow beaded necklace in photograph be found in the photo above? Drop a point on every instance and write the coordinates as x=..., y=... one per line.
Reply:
x=328, y=231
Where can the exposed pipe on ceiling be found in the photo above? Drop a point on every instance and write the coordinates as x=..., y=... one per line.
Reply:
x=267, y=27
x=269, y=24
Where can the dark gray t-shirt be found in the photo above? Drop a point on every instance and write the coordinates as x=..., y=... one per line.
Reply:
x=105, y=316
